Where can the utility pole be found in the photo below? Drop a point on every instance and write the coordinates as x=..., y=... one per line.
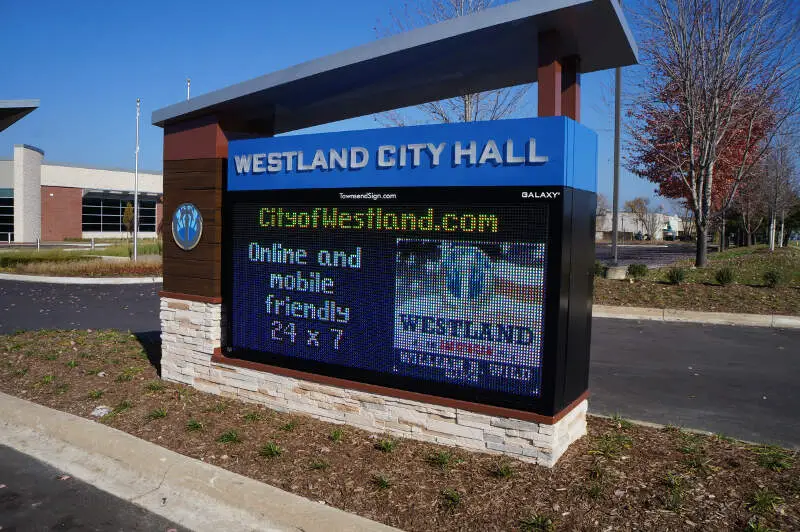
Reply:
x=615, y=200
x=188, y=87
x=136, y=190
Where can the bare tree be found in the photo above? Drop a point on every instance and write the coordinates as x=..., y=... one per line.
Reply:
x=685, y=214
x=490, y=105
x=750, y=203
x=647, y=217
x=778, y=188
x=602, y=205
x=722, y=71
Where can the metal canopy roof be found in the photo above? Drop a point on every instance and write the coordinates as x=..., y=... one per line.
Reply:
x=491, y=49
x=13, y=110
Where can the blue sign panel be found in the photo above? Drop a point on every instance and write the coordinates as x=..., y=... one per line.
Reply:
x=417, y=258
x=551, y=151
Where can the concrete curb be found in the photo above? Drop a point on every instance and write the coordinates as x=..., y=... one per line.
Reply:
x=692, y=316
x=78, y=280
x=192, y=493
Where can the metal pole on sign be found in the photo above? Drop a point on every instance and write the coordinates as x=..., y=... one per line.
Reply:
x=136, y=190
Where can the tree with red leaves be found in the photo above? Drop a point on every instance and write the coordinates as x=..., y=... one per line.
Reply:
x=722, y=78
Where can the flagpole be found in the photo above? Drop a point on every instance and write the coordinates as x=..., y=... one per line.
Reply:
x=136, y=191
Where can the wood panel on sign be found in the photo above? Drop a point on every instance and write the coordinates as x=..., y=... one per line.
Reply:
x=196, y=272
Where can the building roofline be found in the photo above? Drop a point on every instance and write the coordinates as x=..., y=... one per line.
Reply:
x=29, y=147
x=105, y=168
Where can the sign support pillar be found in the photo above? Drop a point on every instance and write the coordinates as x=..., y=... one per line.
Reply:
x=559, y=82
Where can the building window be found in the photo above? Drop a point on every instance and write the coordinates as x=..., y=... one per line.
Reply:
x=103, y=212
x=6, y=215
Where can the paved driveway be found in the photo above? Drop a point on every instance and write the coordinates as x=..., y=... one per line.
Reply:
x=653, y=255
x=53, y=306
x=35, y=496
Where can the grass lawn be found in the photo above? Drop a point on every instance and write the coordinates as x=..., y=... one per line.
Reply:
x=620, y=476
x=701, y=290
x=125, y=249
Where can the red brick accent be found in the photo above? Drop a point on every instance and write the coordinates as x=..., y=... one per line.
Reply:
x=195, y=139
x=62, y=209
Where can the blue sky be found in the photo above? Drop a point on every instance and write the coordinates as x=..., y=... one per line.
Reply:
x=88, y=61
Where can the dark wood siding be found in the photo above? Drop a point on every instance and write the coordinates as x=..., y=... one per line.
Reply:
x=201, y=182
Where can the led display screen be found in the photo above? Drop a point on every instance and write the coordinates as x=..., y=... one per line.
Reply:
x=439, y=293
x=430, y=259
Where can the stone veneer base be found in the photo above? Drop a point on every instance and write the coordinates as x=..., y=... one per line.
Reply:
x=190, y=331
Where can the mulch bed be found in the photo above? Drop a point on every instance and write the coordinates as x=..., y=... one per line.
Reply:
x=620, y=477
x=698, y=296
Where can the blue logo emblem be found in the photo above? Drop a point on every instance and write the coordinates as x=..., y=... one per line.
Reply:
x=468, y=275
x=187, y=226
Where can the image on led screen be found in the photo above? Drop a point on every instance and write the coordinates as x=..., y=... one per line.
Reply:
x=471, y=310
x=436, y=294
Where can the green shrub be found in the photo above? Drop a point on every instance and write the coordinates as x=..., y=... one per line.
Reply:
x=381, y=481
x=725, y=276
x=230, y=436
x=676, y=275
x=271, y=450
x=773, y=278
x=193, y=425
x=637, y=271
x=451, y=498
x=599, y=269
x=158, y=413
x=501, y=470
x=386, y=445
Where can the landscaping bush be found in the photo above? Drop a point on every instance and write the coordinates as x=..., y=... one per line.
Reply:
x=637, y=271
x=725, y=276
x=599, y=269
x=773, y=278
x=676, y=275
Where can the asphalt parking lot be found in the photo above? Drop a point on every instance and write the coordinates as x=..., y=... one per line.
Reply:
x=653, y=255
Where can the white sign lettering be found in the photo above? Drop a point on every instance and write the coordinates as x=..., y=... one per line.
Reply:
x=413, y=155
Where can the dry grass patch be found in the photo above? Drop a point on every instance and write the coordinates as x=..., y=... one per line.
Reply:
x=93, y=268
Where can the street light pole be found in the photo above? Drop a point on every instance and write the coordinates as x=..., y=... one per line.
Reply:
x=617, y=121
x=615, y=199
x=188, y=87
x=136, y=190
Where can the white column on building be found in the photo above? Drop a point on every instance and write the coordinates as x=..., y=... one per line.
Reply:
x=27, y=193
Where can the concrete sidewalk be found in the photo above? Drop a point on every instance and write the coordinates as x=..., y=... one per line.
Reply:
x=52, y=279
x=189, y=492
x=693, y=316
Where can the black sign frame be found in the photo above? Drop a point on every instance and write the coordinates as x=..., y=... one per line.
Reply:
x=568, y=285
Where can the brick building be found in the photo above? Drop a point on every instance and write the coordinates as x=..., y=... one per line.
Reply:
x=57, y=201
